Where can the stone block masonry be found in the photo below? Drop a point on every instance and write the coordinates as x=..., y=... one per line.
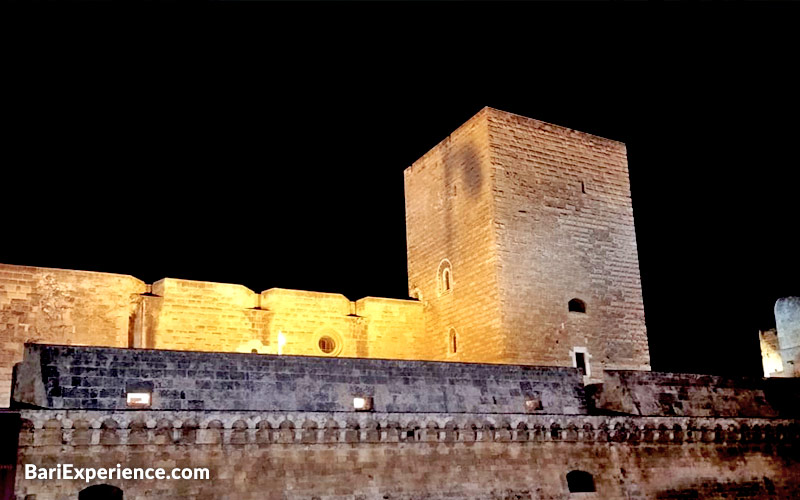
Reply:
x=525, y=217
x=87, y=308
x=678, y=394
x=61, y=306
x=338, y=456
x=98, y=378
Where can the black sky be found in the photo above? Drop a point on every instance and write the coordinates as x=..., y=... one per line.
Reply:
x=266, y=146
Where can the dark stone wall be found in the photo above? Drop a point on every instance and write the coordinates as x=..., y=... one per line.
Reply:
x=72, y=377
x=686, y=394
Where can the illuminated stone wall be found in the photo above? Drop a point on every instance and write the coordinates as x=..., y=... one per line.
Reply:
x=529, y=215
x=565, y=230
x=449, y=197
x=770, y=353
x=203, y=316
x=337, y=456
x=86, y=308
x=64, y=307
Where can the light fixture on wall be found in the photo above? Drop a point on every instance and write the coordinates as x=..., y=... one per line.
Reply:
x=138, y=399
x=362, y=403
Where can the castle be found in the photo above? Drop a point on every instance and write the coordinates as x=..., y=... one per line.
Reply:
x=519, y=368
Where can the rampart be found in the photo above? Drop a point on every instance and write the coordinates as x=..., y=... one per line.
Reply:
x=286, y=427
x=347, y=455
x=653, y=393
x=97, y=378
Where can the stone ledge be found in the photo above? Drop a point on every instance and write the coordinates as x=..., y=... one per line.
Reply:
x=86, y=428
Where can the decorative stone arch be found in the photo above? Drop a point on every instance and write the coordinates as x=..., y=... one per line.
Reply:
x=328, y=342
x=239, y=432
x=444, y=278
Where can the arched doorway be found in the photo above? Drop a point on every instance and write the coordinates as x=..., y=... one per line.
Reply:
x=100, y=492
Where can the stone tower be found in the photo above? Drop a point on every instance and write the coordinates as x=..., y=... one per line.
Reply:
x=521, y=246
x=780, y=348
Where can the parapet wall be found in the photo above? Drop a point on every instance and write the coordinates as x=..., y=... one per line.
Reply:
x=294, y=455
x=97, y=378
x=654, y=393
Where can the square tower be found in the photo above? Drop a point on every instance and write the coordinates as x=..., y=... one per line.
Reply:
x=521, y=246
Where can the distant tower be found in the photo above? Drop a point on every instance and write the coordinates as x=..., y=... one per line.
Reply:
x=780, y=348
x=521, y=244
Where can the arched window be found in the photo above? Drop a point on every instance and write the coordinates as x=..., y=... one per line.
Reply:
x=452, y=341
x=444, y=277
x=580, y=481
x=577, y=305
x=100, y=492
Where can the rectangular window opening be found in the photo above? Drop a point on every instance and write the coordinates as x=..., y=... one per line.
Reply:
x=580, y=362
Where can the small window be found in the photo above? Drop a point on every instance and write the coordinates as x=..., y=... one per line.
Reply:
x=445, y=277
x=577, y=305
x=580, y=362
x=580, y=481
x=583, y=187
x=452, y=341
x=327, y=344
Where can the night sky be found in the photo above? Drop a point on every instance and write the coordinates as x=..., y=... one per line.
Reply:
x=271, y=153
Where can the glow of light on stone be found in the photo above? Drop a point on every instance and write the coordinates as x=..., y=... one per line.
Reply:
x=141, y=399
x=281, y=342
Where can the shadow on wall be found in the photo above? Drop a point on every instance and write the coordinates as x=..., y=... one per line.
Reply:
x=747, y=489
x=463, y=176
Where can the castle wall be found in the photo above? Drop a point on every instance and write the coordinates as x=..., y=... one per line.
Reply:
x=410, y=456
x=770, y=353
x=203, y=316
x=97, y=378
x=61, y=306
x=449, y=218
x=88, y=308
x=653, y=393
x=564, y=229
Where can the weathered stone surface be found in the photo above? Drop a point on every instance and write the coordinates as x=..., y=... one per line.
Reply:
x=787, y=321
x=97, y=378
x=528, y=215
x=87, y=308
x=438, y=456
x=685, y=394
